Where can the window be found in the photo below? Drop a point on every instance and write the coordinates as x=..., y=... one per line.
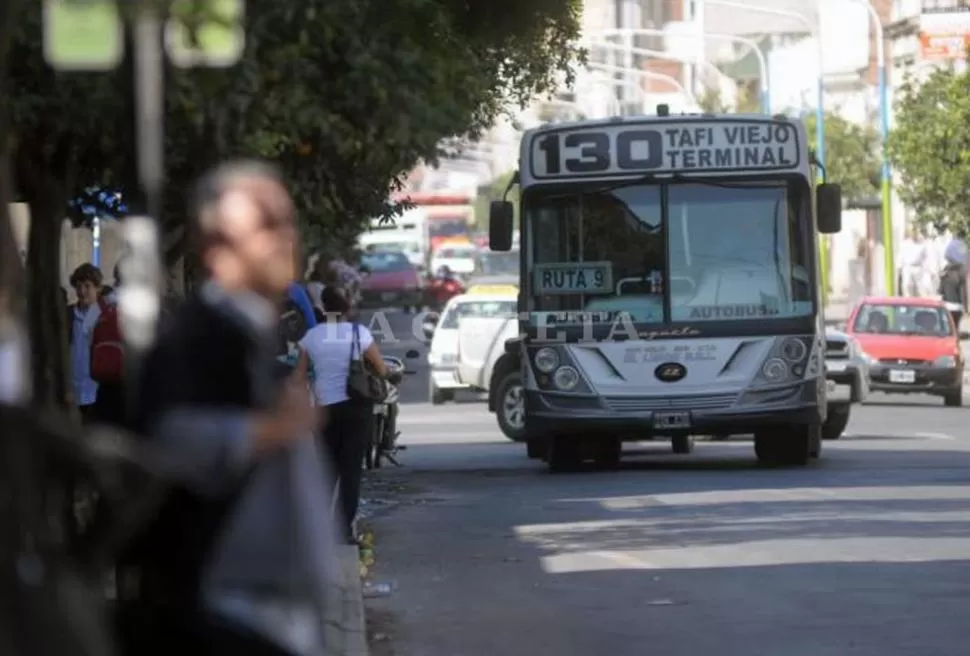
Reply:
x=447, y=228
x=932, y=321
x=477, y=309
x=452, y=253
x=734, y=253
x=494, y=264
x=398, y=247
x=623, y=227
x=385, y=261
x=682, y=252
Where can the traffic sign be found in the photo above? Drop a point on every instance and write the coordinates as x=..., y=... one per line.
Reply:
x=205, y=33
x=83, y=35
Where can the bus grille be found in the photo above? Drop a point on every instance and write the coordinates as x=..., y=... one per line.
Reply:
x=651, y=403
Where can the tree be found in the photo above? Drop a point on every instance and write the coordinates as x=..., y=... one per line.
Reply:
x=930, y=150
x=851, y=155
x=346, y=95
x=712, y=102
x=494, y=190
x=65, y=136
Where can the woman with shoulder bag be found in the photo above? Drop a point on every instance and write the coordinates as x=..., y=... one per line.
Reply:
x=349, y=376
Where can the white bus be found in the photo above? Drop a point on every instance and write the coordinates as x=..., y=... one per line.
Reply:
x=669, y=286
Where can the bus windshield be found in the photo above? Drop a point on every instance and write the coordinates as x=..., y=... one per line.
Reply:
x=679, y=252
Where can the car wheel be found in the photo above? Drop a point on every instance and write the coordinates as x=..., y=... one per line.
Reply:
x=835, y=423
x=511, y=407
x=954, y=399
x=565, y=454
x=790, y=446
x=536, y=449
x=682, y=444
x=608, y=452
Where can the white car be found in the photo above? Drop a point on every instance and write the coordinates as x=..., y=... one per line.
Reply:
x=463, y=340
x=460, y=259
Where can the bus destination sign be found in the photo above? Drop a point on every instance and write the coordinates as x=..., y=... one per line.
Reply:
x=698, y=146
x=578, y=278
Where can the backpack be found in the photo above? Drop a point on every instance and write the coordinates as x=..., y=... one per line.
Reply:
x=107, y=346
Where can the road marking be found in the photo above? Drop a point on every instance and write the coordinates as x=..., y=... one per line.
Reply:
x=934, y=436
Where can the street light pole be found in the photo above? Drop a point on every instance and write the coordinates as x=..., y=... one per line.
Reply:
x=820, y=83
x=885, y=174
x=816, y=31
x=669, y=79
x=730, y=38
x=658, y=54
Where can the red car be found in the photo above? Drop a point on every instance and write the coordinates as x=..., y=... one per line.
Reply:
x=912, y=346
x=391, y=281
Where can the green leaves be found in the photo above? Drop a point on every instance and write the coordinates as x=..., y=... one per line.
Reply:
x=852, y=155
x=930, y=149
x=345, y=95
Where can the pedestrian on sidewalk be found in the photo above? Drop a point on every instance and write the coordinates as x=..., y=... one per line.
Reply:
x=332, y=348
x=103, y=324
x=914, y=259
x=239, y=558
x=86, y=281
x=953, y=288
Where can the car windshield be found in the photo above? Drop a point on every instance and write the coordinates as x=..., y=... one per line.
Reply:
x=397, y=247
x=708, y=252
x=477, y=309
x=494, y=264
x=385, y=261
x=879, y=319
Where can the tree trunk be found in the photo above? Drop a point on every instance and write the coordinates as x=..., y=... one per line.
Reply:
x=46, y=315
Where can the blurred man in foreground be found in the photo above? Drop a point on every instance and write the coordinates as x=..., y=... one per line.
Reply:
x=238, y=559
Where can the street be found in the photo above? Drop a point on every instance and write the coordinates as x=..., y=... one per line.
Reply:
x=865, y=553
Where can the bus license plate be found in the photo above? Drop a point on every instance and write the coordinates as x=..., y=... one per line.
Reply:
x=671, y=420
x=902, y=376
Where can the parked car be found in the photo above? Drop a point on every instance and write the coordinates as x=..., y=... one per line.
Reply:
x=911, y=346
x=847, y=380
x=466, y=341
x=391, y=281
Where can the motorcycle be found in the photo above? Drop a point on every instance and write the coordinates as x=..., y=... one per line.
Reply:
x=383, y=443
x=441, y=290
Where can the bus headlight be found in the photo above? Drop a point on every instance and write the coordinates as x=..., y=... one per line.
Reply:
x=546, y=360
x=566, y=378
x=774, y=370
x=794, y=350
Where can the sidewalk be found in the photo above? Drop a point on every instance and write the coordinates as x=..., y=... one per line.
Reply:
x=344, y=618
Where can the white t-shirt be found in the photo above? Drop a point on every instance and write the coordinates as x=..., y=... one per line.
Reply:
x=328, y=347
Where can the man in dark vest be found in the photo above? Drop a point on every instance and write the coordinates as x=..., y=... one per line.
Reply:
x=239, y=557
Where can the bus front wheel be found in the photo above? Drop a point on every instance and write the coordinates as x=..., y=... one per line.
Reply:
x=793, y=446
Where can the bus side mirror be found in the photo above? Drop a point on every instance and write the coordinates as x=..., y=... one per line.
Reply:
x=828, y=203
x=500, y=220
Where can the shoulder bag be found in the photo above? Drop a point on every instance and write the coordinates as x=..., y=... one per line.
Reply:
x=362, y=383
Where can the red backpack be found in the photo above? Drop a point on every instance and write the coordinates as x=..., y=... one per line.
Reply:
x=107, y=346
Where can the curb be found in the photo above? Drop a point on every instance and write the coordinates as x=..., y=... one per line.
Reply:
x=344, y=614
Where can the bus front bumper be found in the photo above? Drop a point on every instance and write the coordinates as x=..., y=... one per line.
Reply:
x=642, y=418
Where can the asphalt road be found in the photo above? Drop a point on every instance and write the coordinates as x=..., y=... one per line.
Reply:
x=866, y=553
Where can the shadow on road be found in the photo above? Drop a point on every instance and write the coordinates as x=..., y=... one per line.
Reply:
x=691, y=555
